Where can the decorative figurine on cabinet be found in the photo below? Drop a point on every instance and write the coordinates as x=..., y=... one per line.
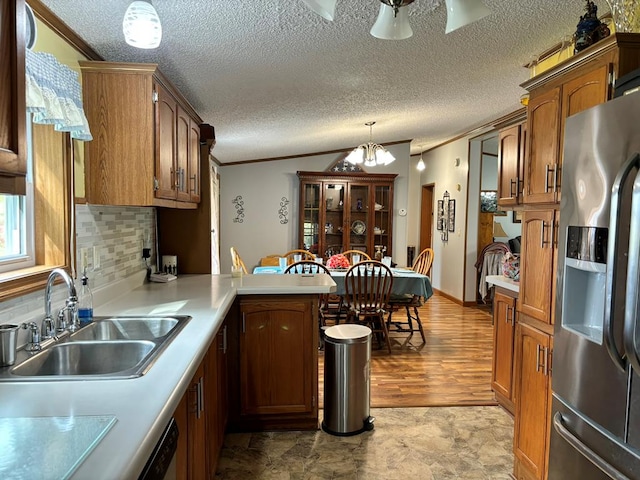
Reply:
x=359, y=204
x=590, y=29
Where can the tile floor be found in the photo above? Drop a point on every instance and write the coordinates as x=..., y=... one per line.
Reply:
x=432, y=443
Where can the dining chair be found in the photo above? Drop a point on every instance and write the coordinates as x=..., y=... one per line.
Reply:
x=236, y=261
x=367, y=290
x=330, y=306
x=409, y=302
x=350, y=253
x=305, y=254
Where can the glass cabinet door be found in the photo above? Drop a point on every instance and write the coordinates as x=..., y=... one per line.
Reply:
x=382, y=220
x=311, y=217
x=358, y=221
x=334, y=218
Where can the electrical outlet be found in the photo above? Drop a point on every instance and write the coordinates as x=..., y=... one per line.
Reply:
x=85, y=261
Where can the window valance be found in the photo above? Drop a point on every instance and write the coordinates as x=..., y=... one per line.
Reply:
x=54, y=95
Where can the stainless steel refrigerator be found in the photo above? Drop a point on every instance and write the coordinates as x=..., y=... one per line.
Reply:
x=595, y=424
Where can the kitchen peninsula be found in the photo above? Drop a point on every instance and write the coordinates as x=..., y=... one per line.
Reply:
x=143, y=406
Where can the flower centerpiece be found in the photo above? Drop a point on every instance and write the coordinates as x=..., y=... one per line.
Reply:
x=338, y=261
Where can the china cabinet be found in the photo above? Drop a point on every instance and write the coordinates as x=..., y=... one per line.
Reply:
x=342, y=211
x=13, y=163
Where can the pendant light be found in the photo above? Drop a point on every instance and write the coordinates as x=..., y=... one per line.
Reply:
x=371, y=154
x=141, y=25
x=421, y=166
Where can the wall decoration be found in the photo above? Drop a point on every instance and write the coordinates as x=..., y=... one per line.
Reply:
x=489, y=201
x=283, y=211
x=451, y=217
x=444, y=234
x=440, y=216
x=239, y=204
x=517, y=216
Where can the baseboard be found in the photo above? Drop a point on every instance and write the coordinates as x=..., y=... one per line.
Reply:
x=448, y=297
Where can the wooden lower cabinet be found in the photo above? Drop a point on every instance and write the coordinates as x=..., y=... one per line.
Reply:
x=504, y=325
x=532, y=405
x=202, y=414
x=276, y=369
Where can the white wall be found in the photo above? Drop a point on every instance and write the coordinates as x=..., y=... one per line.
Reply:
x=449, y=259
x=266, y=186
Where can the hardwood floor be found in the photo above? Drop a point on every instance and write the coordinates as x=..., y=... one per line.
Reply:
x=452, y=368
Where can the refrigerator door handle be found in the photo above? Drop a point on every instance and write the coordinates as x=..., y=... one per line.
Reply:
x=631, y=300
x=612, y=255
x=584, y=450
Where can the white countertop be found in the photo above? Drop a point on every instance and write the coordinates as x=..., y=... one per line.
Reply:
x=144, y=405
x=504, y=282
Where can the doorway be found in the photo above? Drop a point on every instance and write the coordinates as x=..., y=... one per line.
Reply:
x=426, y=217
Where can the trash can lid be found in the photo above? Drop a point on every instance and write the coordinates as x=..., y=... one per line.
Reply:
x=347, y=332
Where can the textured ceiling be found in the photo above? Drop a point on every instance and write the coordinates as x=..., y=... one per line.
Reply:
x=275, y=79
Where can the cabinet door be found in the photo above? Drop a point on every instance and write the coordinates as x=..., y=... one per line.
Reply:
x=543, y=131
x=276, y=356
x=223, y=390
x=197, y=428
x=309, y=235
x=504, y=314
x=335, y=218
x=532, y=402
x=382, y=209
x=216, y=398
x=166, y=112
x=12, y=92
x=581, y=93
x=509, y=166
x=193, y=183
x=537, y=283
x=358, y=222
x=183, y=140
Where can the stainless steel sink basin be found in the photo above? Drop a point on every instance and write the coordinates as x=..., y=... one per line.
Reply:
x=125, y=328
x=87, y=358
x=107, y=348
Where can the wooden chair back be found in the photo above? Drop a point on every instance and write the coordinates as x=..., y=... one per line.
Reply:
x=368, y=287
x=350, y=253
x=307, y=267
x=237, y=261
x=306, y=255
x=423, y=263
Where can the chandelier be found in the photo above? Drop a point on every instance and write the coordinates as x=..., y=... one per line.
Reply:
x=393, y=19
x=371, y=154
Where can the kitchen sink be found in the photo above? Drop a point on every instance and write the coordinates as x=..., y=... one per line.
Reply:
x=128, y=328
x=86, y=358
x=116, y=347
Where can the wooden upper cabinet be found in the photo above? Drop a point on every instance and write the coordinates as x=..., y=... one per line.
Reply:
x=166, y=140
x=13, y=145
x=143, y=135
x=537, y=264
x=572, y=86
x=509, y=161
x=193, y=182
x=543, y=127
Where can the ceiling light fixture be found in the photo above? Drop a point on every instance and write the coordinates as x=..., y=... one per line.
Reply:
x=141, y=25
x=464, y=12
x=393, y=20
x=371, y=154
x=421, y=166
x=324, y=8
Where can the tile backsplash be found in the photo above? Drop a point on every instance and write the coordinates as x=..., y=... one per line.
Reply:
x=117, y=233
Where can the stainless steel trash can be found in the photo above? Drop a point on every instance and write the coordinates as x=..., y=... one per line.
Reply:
x=347, y=388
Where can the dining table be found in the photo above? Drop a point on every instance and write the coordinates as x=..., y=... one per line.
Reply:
x=405, y=280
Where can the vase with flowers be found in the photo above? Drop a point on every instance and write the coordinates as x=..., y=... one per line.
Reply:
x=338, y=262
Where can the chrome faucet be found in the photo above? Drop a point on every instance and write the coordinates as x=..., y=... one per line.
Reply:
x=70, y=306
